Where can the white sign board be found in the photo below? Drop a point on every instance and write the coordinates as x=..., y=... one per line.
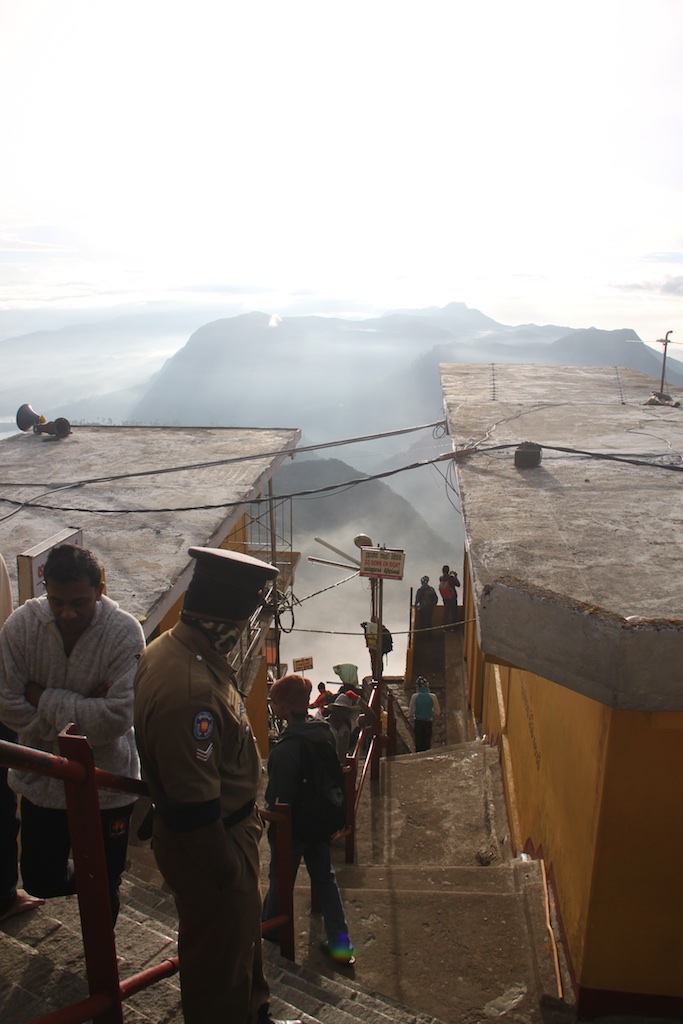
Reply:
x=302, y=664
x=382, y=563
x=31, y=563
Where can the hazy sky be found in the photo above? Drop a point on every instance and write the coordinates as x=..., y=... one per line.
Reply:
x=524, y=158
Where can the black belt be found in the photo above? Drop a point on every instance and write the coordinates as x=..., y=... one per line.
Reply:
x=239, y=815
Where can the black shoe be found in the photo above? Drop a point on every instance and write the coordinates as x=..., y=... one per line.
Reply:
x=340, y=954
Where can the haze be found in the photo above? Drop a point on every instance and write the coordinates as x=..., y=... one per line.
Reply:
x=342, y=158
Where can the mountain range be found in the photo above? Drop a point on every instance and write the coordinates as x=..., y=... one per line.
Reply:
x=330, y=376
x=333, y=378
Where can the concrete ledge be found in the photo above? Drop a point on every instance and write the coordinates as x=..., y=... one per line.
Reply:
x=632, y=666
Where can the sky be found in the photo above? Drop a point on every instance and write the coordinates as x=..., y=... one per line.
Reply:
x=345, y=158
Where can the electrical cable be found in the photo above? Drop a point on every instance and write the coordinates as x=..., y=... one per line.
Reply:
x=342, y=485
x=291, y=452
x=312, y=492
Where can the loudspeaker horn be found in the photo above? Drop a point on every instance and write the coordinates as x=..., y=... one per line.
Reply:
x=27, y=418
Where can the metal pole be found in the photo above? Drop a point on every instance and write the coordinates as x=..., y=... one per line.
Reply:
x=273, y=559
x=85, y=829
x=379, y=655
x=665, y=343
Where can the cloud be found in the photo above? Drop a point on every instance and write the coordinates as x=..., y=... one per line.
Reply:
x=674, y=286
x=669, y=286
x=665, y=257
x=10, y=243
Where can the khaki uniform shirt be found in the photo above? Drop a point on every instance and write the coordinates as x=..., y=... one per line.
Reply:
x=192, y=732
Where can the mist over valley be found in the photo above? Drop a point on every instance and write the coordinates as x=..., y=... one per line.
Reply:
x=334, y=379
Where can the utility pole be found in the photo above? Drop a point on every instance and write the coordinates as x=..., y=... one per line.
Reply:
x=665, y=342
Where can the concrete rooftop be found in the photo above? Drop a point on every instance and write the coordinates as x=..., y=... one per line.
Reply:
x=562, y=554
x=139, y=526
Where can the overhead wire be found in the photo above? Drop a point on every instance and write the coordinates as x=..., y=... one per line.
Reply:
x=330, y=488
x=251, y=457
x=476, y=448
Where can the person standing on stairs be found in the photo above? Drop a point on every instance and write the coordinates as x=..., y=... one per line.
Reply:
x=292, y=757
x=70, y=657
x=423, y=709
x=200, y=761
x=448, y=581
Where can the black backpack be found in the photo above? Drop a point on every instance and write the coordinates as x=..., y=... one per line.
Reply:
x=320, y=810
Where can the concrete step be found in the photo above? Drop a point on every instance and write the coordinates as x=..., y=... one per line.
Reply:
x=335, y=998
x=42, y=968
x=442, y=807
x=444, y=921
x=43, y=964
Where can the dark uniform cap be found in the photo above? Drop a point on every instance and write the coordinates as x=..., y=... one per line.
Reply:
x=226, y=585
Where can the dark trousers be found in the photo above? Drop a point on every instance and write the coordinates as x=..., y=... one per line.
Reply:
x=216, y=890
x=9, y=827
x=450, y=611
x=424, y=621
x=45, y=846
x=423, y=734
x=316, y=857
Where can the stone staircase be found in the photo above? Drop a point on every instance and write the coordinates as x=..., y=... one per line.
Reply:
x=448, y=925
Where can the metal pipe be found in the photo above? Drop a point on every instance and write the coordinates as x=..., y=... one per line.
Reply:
x=665, y=343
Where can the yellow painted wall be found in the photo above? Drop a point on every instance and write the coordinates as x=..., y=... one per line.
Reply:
x=599, y=793
x=634, y=941
x=257, y=708
x=474, y=661
x=171, y=617
x=557, y=747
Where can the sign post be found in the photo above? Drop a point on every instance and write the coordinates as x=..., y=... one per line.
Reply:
x=380, y=564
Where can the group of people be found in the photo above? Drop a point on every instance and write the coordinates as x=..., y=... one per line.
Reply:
x=345, y=711
x=426, y=600
x=170, y=711
x=74, y=656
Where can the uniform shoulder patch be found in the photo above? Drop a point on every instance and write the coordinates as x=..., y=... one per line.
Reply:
x=203, y=725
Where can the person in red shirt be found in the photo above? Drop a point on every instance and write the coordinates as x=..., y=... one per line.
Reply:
x=324, y=698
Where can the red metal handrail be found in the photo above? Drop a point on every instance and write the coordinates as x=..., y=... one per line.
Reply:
x=76, y=768
x=81, y=783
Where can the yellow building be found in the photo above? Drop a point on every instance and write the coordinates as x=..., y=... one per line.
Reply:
x=573, y=638
x=141, y=497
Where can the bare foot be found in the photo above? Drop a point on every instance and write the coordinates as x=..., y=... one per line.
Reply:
x=22, y=903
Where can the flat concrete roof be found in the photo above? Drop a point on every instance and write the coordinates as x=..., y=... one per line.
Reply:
x=563, y=554
x=144, y=552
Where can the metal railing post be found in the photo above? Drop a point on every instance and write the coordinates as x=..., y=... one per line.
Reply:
x=85, y=829
x=285, y=878
x=376, y=748
x=351, y=776
x=391, y=728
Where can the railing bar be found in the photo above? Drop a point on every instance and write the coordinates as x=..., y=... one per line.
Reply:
x=77, y=1013
x=69, y=770
x=14, y=755
x=137, y=982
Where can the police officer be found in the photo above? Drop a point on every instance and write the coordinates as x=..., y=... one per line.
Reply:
x=202, y=766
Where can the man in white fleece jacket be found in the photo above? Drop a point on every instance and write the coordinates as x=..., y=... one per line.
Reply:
x=70, y=657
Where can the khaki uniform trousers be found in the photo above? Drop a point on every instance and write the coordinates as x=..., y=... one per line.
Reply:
x=219, y=921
